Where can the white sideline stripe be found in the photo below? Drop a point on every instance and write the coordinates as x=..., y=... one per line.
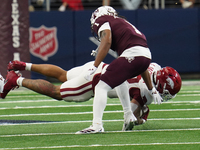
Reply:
x=90, y=112
x=84, y=121
x=68, y=133
x=101, y=145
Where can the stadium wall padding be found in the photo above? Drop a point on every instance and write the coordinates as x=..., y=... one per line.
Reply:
x=14, y=28
x=173, y=36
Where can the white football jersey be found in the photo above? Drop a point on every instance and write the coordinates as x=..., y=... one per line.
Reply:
x=77, y=88
x=139, y=83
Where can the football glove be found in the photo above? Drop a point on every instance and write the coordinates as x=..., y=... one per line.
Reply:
x=156, y=96
x=94, y=52
x=90, y=72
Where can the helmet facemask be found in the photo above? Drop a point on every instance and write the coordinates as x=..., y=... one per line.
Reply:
x=166, y=94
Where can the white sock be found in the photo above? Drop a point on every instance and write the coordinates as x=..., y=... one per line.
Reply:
x=123, y=94
x=133, y=107
x=99, y=103
x=28, y=66
x=19, y=81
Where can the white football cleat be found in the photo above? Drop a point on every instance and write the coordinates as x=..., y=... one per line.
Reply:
x=1, y=83
x=91, y=130
x=129, y=121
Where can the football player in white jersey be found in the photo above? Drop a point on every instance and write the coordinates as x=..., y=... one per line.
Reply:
x=75, y=88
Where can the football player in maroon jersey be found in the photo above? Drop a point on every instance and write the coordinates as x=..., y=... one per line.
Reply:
x=134, y=58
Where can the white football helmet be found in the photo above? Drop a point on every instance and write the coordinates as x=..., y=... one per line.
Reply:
x=101, y=11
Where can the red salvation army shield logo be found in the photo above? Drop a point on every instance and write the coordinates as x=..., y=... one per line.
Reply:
x=43, y=42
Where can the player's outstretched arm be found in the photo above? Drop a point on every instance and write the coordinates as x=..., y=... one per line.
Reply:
x=147, y=79
x=106, y=40
x=43, y=87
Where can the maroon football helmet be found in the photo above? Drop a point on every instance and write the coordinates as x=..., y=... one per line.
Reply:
x=167, y=82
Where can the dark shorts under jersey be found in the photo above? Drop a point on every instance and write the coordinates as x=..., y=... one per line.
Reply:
x=121, y=69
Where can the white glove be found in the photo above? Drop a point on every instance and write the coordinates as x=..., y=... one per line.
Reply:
x=94, y=52
x=156, y=96
x=90, y=72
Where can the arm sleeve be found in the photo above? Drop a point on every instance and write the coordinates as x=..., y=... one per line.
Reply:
x=104, y=27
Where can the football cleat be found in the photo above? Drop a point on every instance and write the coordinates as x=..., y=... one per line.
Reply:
x=10, y=83
x=16, y=65
x=91, y=130
x=129, y=121
x=142, y=122
x=145, y=112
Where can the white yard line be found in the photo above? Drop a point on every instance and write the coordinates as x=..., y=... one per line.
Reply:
x=90, y=112
x=90, y=105
x=185, y=83
x=189, y=95
x=101, y=145
x=68, y=133
x=56, y=106
x=82, y=104
x=71, y=105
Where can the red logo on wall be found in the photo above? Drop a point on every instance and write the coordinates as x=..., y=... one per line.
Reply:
x=43, y=42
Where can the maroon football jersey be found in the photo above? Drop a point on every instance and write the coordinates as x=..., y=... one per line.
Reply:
x=124, y=34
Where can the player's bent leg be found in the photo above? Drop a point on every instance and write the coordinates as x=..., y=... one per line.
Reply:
x=145, y=112
x=50, y=71
x=129, y=118
x=44, y=69
x=137, y=111
x=99, y=104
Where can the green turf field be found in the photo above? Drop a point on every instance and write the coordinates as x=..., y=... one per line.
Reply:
x=32, y=121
